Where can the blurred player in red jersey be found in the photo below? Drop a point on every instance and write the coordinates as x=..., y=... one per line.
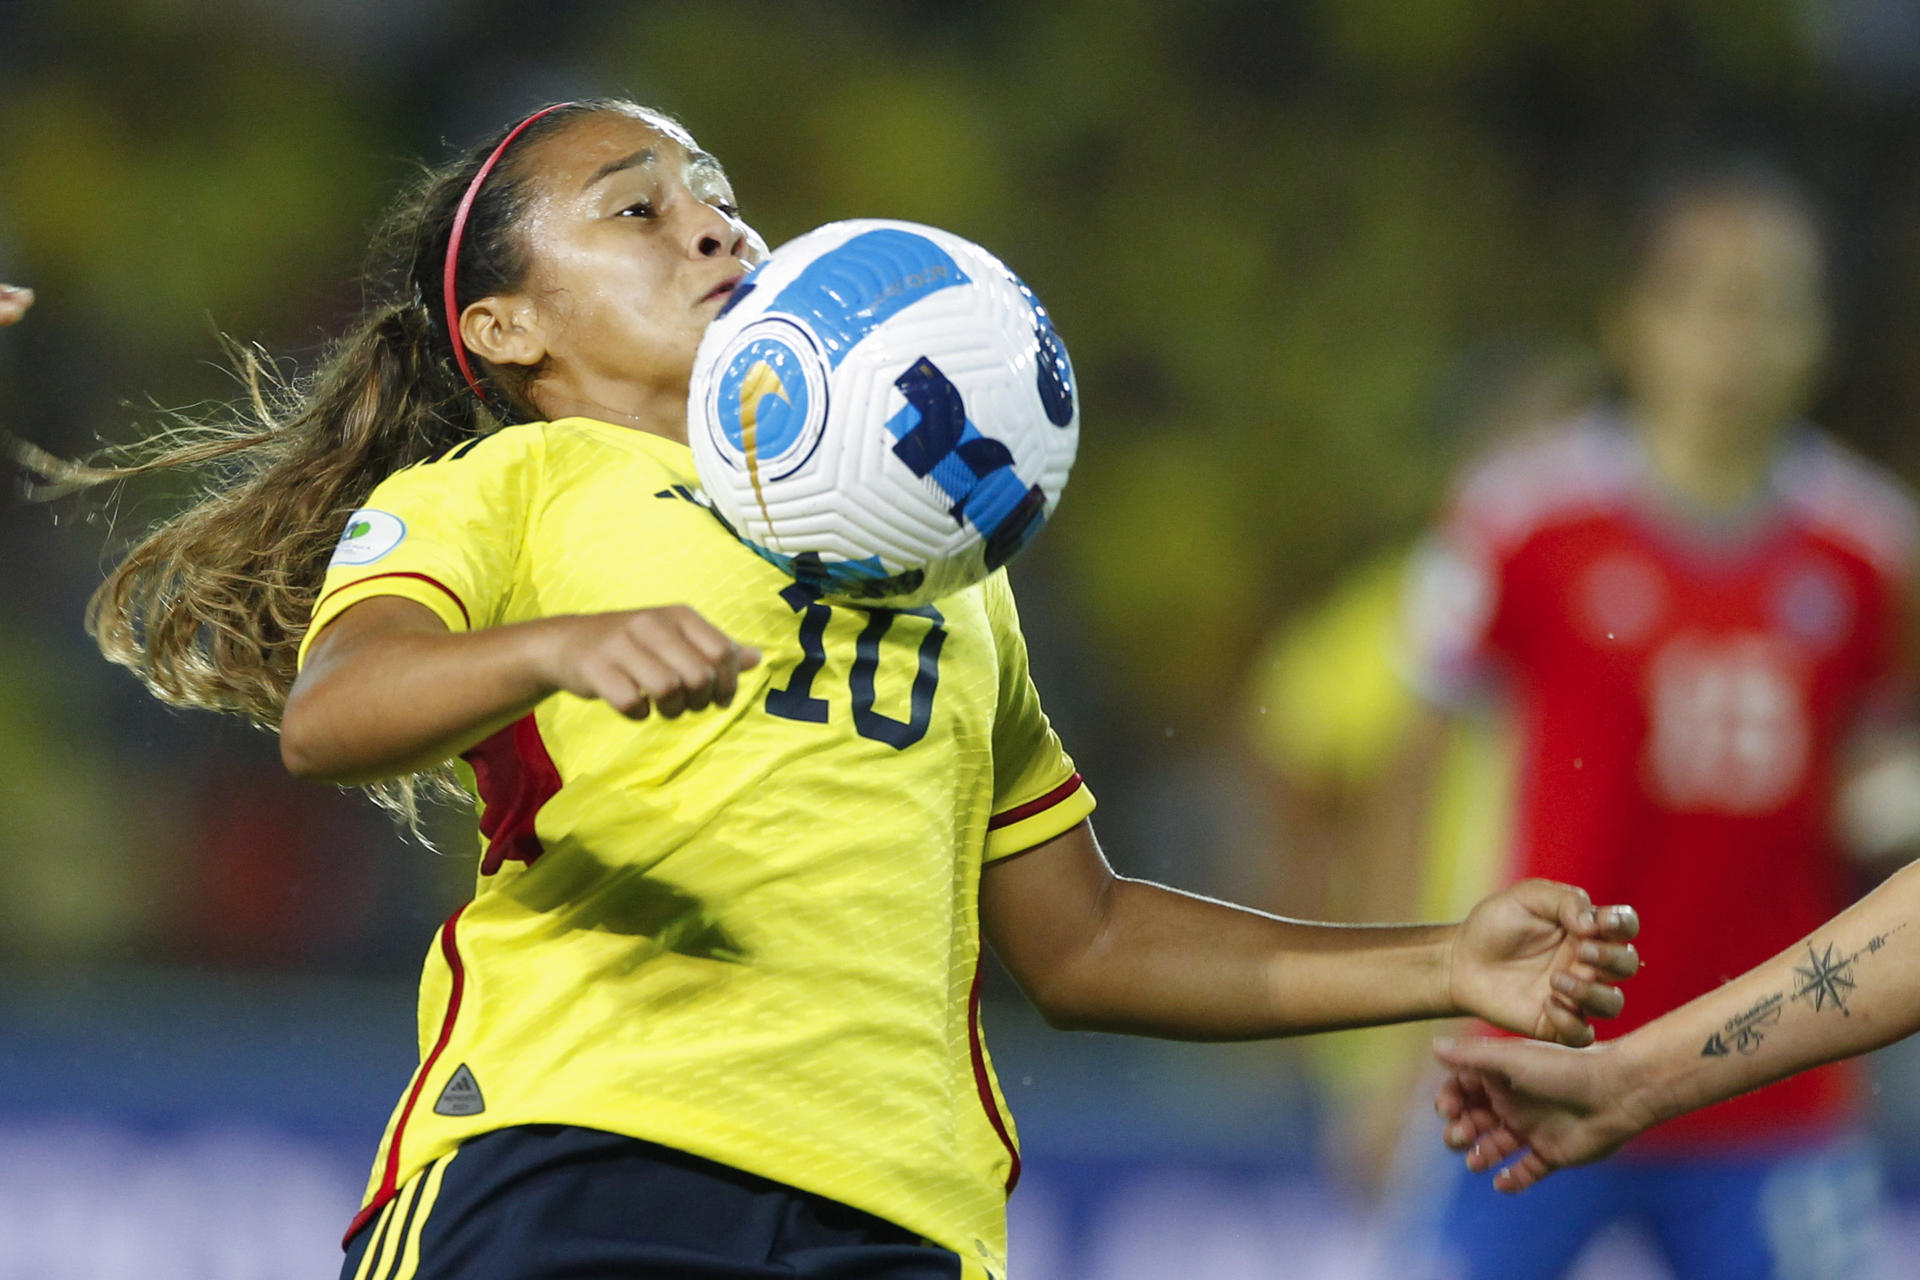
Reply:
x=1695, y=604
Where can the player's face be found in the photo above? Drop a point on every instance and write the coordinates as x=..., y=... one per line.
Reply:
x=1726, y=327
x=635, y=243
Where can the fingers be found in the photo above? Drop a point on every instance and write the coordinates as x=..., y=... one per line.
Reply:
x=1597, y=960
x=1464, y=1102
x=14, y=302
x=1471, y=1057
x=677, y=663
x=1450, y=1100
x=669, y=660
x=718, y=652
x=1563, y=1020
x=1616, y=924
x=611, y=682
x=1584, y=999
x=1570, y=905
x=1550, y=900
x=1528, y=1170
x=675, y=672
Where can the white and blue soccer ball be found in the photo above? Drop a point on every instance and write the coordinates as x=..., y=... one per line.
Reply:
x=883, y=410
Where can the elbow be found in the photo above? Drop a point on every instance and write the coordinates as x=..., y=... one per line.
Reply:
x=297, y=752
x=305, y=747
x=1060, y=1004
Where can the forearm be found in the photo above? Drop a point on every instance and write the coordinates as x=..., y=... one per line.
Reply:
x=1850, y=986
x=1171, y=964
x=391, y=704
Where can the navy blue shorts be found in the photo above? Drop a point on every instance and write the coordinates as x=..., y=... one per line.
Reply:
x=553, y=1202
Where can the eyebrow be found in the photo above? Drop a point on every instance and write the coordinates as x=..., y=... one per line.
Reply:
x=611, y=167
x=646, y=156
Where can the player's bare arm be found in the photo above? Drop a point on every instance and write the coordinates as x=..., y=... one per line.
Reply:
x=14, y=302
x=1097, y=951
x=388, y=689
x=1851, y=986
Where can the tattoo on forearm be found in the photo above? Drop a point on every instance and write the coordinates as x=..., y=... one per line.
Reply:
x=1827, y=980
x=1747, y=1029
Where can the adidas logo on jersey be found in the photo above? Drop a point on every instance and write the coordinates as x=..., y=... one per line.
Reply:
x=461, y=1097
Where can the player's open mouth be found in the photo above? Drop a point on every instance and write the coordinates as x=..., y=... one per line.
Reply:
x=722, y=289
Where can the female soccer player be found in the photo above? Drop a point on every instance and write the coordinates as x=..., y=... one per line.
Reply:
x=1851, y=986
x=1693, y=603
x=714, y=1007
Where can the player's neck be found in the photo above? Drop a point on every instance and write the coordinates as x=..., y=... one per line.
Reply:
x=662, y=411
x=1711, y=465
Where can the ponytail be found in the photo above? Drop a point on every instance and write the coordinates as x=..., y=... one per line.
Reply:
x=209, y=607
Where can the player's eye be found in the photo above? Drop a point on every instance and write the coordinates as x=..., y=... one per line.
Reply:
x=638, y=209
x=726, y=207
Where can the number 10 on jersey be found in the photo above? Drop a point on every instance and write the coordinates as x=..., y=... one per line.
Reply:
x=797, y=701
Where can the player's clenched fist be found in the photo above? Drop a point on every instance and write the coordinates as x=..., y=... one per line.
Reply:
x=668, y=660
x=14, y=302
x=1538, y=958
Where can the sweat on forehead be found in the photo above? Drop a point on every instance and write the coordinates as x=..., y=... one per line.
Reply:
x=622, y=119
x=590, y=147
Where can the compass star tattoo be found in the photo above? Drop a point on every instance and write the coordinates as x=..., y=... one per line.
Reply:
x=1824, y=979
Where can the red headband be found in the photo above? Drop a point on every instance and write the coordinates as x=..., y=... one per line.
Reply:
x=453, y=244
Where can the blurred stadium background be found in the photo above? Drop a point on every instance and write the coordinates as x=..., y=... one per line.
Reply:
x=1277, y=238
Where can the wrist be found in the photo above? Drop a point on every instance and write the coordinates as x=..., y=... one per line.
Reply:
x=1642, y=1089
x=543, y=644
x=1444, y=999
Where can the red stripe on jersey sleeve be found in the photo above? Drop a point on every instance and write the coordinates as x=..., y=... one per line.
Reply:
x=430, y=581
x=1020, y=813
x=516, y=776
x=983, y=1082
x=390, y=1177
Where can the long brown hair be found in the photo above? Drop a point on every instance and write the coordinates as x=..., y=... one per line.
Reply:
x=208, y=608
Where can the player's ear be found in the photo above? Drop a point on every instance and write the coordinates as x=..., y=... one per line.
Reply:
x=504, y=329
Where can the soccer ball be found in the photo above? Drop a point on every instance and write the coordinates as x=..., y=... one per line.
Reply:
x=884, y=411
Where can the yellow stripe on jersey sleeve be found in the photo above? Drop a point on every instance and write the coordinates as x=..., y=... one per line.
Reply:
x=1053, y=813
x=418, y=587
x=448, y=533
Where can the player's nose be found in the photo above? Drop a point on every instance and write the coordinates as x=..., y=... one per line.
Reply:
x=715, y=235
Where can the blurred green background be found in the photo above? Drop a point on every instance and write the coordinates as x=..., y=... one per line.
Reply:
x=1276, y=236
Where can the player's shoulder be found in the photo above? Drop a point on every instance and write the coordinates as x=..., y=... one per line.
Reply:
x=560, y=443
x=527, y=459
x=1851, y=500
x=471, y=462
x=515, y=442
x=1558, y=472
x=988, y=606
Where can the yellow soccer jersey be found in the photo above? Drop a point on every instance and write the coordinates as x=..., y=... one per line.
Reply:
x=749, y=933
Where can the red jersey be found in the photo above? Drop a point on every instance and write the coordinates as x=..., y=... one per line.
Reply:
x=1684, y=685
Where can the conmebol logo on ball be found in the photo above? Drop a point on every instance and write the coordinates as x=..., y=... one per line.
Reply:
x=885, y=411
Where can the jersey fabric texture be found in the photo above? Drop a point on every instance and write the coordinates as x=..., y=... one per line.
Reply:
x=541, y=1202
x=1685, y=688
x=748, y=933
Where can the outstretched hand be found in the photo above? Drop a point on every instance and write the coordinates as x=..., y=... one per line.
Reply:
x=1540, y=959
x=14, y=302
x=1550, y=1106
